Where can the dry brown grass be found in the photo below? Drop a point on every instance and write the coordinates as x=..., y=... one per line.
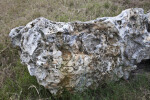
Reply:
x=18, y=12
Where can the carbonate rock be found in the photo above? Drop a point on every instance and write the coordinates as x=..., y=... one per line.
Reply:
x=80, y=55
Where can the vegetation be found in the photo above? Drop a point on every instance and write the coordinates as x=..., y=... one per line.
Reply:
x=15, y=81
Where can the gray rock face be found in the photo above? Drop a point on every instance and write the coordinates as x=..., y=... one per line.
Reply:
x=78, y=55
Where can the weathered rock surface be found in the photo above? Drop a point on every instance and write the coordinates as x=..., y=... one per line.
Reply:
x=83, y=54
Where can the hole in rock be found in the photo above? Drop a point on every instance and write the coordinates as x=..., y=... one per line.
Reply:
x=148, y=27
x=133, y=18
x=142, y=68
x=144, y=64
x=119, y=22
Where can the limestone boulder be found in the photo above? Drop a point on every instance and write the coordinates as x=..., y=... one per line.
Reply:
x=79, y=55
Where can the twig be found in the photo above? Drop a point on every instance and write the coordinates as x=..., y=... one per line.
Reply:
x=5, y=48
x=33, y=86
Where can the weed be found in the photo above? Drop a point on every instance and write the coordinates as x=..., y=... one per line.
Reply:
x=107, y=5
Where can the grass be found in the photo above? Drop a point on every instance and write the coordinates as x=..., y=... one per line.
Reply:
x=25, y=87
x=15, y=81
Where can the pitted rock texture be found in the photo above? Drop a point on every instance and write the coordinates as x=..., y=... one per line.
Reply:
x=78, y=55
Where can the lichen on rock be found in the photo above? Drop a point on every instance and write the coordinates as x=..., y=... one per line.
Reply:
x=78, y=55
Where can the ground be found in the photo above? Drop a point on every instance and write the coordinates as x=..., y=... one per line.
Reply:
x=15, y=81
